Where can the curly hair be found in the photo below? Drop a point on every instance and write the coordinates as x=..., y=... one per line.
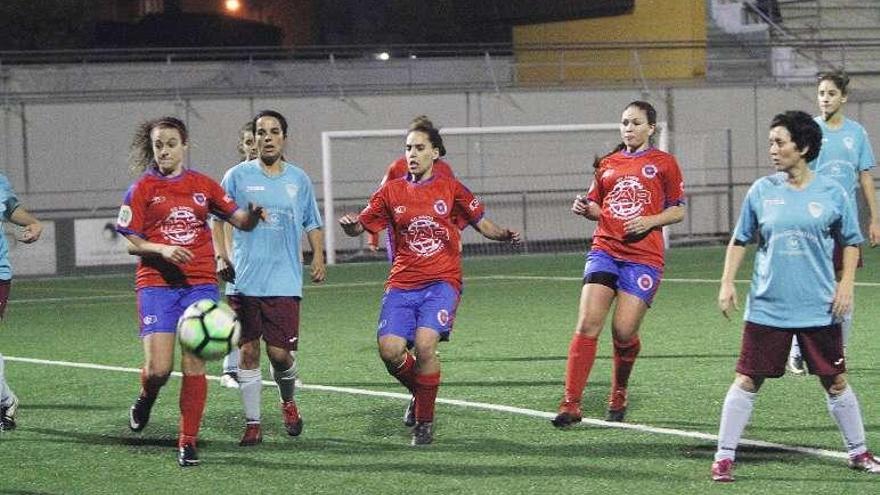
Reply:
x=140, y=154
x=805, y=132
x=424, y=124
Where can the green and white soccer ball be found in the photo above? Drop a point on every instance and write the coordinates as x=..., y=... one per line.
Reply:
x=209, y=329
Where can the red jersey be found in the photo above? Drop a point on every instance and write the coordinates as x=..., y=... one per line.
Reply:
x=426, y=240
x=627, y=186
x=400, y=168
x=174, y=211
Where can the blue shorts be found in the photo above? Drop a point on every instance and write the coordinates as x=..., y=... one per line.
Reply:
x=159, y=308
x=405, y=310
x=637, y=279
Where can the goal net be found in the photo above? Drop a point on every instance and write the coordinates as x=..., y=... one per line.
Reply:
x=527, y=177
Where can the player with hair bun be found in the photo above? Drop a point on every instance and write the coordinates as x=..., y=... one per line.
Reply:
x=424, y=284
x=164, y=216
x=636, y=191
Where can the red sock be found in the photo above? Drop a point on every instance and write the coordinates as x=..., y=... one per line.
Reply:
x=406, y=373
x=426, y=395
x=193, y=393
x=581, y=356
x=625, y=354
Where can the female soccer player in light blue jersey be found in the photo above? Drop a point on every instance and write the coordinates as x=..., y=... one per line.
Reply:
x=795, y=216
x=846, y=157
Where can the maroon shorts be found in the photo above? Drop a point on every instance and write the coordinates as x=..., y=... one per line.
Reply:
x=5, y=285
x=765, y=350
x=275, y=319
x=837, y=257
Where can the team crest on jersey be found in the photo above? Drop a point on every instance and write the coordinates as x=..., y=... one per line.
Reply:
x=399, y=210
x=181, y=226
x=443, y=317
x=649, y=171
x=292, y=189
x=607, y=173
x=200, y=199
x=425, y=236
x=849, y=142
x=815, y=209
x=645, y=282
x=474, y=204
x=440, y=207
x=124, y=217
x=628, y=198
x=157, y=199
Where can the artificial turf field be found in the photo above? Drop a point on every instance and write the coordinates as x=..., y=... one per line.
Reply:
x=502, y=379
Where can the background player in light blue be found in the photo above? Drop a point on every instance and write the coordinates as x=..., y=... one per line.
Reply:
x=12, y=211
x=795, y=217
x=268, y=269
x=847, y=157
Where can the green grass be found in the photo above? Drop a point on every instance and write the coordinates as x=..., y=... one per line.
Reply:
x=509, y=348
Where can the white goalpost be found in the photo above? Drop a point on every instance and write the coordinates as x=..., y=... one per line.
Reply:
x=512, y=170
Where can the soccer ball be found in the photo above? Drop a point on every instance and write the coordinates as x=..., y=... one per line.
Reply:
x=208, y=329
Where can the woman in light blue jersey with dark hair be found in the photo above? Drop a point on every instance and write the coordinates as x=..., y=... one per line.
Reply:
x=12, y=211
x=846, y=156
x=795, y=217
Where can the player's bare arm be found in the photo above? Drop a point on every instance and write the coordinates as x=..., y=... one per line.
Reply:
x=586, y=208
x=496, y=233
x=843, y=292
x=727, y=293
x=142, y=247
x=640, y=225
x=32, y=227
x=318, y=269
x=866, y=181
x=221, y=234
x=247, y=219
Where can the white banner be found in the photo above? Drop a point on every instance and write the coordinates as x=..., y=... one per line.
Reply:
x=97, y=243
x=32, y=259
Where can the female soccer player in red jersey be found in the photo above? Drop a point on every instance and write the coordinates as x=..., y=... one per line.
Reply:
x=424, y=283
x=636, y=190
x=164, y=216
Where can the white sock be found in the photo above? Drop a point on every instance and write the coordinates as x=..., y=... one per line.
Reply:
x=795, y=348
x=846, y=326
x=738, y=405
x=250, y=384
x=230, y=362
x=286, y=381
x=844, y=408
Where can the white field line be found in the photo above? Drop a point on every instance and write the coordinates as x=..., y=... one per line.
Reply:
x=480, y=405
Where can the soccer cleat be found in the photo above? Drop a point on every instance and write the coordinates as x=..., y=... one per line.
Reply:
x=253, y=435
x=229, y=380
x=409, y=416
x=616, y=405
x=187, y=455
x=569, y=414
x=423, y=433
x=796, y=365
x=293, y=422
x=722, y=471
x=139, y=414
x=865, y=462
x=7, y=415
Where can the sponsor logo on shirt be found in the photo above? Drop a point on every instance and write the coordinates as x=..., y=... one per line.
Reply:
x=181, y=226
x=474, y=204
x=157, y=199
x=628, y=198
x=399, y=210
x=124, y=217
x=774, y=202
x=440, y=207
x=815, y=209
x=649, y=171
x=254, y=188
x=425, y=236
x=200, y=199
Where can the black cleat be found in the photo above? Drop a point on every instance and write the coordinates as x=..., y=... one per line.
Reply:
x=139, y=414
x=187, y=456
x=423, y=433
x=409, y=416
x=615, y=416
x=617, y=402
x=565, y=419
x=7, y=415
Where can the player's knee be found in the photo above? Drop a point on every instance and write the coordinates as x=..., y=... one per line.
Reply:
x=836, y=385
x=281, y=359
x=748, y=383
x=589, y=328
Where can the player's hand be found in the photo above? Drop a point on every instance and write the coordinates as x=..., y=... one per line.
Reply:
x=874, y=234
x=177, y=254
x=30, y=233
x=513, y=237
x=318, y=270
x=843, y=298
x=727, y=299
x=257, y=211
x=350, y=224
x=373, y=242
x=580, y=206
x=638, y=226
x=225, y=270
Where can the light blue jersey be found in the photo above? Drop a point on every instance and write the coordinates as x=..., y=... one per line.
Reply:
x=793, y=281
x=8, y=204
x=845, y=153
x=267, y=259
